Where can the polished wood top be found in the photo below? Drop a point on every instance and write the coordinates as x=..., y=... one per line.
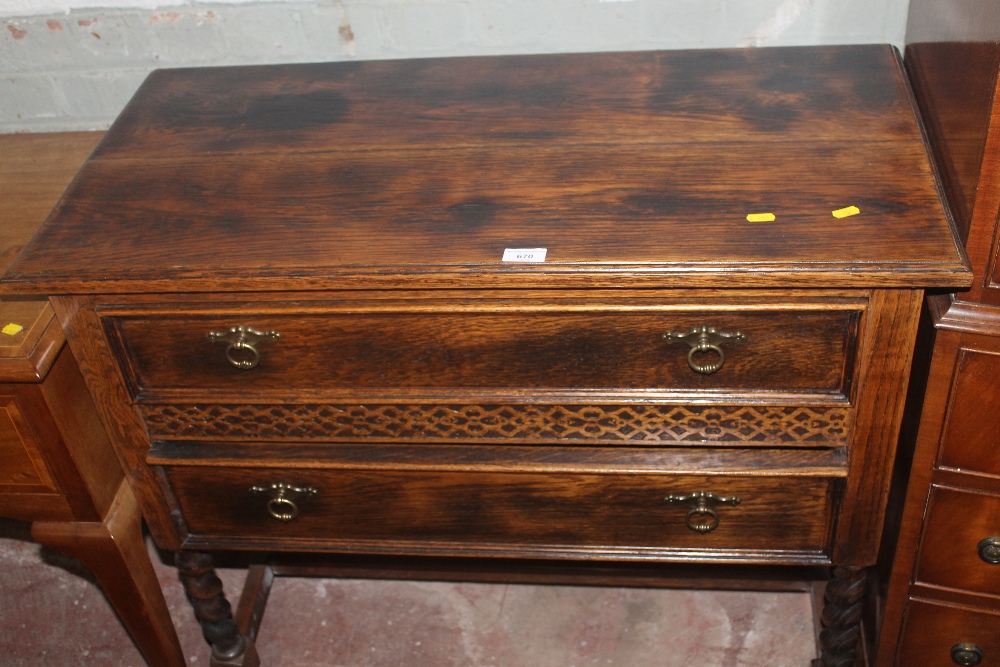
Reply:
x=34, y=171
x=631, y=169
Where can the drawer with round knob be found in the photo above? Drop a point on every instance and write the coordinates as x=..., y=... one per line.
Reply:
x=961, y=542
x=635, y=349
x=938, y=634
x=505, y=512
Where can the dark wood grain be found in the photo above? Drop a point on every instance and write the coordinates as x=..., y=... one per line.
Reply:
x=786, y=95
x=803, y=351
x=667, y=209
x=499, y=513
x=362, y=209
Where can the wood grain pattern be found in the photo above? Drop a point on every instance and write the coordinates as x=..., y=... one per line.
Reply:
x=34, y=172
x=121, y=420
x=20, y=462
x=884, y=363
x=761, y=95
x=774, y=462
x=495, y=513
x=783, y=351
x=637, y=168
x=362, y=210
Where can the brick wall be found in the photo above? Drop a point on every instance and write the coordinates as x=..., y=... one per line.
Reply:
x=76, y=68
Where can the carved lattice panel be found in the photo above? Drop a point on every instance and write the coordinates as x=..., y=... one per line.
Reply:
x=634, y=424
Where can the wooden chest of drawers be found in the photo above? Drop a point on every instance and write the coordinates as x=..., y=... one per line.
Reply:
x=943, y=600
x=292, y=294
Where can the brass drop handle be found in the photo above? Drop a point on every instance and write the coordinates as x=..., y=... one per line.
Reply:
x=704, y=339
x=281, y=502
x=242, y=342
x=989, y=550
x=702, y=518
x=966, y=654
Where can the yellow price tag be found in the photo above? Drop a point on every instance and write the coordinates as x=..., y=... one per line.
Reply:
x=846, y=212
x=12, y=329
x=760, y=217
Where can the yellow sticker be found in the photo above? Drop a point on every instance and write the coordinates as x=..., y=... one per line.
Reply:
x=760, y=217
x=12, y=329
x=846, y=212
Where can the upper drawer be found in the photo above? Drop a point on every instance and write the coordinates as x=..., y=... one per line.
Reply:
x=465, y=351
x=970, y=436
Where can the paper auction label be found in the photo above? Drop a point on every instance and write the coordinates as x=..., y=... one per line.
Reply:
x=524, y=254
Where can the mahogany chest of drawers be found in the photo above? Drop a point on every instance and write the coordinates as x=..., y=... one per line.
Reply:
x=943, y=600
x=300, y=298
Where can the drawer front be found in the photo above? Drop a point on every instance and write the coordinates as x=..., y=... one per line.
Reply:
x=22, y=466
x=420, y=353
x=28, y=490
x=958, y=543
x=508, y=512
x=971, y=437
x=931, y=631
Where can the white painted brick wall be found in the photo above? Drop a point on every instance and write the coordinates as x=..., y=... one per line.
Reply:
x=76, y=68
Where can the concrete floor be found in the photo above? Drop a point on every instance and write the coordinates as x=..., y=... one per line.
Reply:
x=51, y=613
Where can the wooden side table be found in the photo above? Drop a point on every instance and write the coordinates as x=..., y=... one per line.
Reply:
x=57, y=467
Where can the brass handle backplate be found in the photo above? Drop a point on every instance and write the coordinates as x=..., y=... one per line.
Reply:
x=989, y=550
x=702, y=518
x=966, y=654
x=281, y=503
x=242, y=350
x=704, y=339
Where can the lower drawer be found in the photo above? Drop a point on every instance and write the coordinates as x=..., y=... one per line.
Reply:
x=938, y=635
x=961, y=543
x=777, y=519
